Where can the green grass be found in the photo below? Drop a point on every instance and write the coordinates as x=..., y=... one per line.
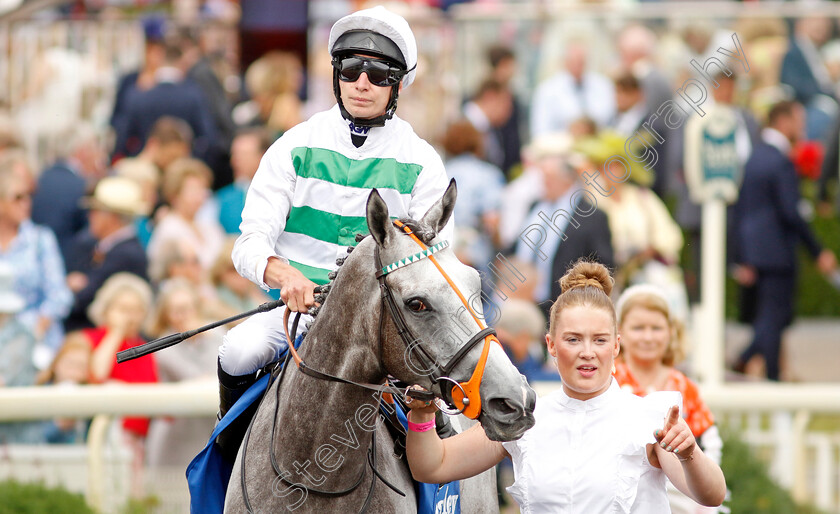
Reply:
x=20, y=498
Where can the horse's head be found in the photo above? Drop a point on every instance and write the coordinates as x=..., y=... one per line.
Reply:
x=437, y=299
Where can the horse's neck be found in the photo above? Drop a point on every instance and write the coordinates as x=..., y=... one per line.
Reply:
x=331, y=421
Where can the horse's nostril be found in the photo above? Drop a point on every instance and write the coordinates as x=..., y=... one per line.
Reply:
x=530, y=400
x=504, y=406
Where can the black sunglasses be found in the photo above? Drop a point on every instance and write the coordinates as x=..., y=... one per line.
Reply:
x=380, y=73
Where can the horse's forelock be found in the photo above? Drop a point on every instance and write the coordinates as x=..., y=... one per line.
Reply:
x=423, y=232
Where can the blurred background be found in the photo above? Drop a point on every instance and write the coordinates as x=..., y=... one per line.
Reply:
x=130, y=130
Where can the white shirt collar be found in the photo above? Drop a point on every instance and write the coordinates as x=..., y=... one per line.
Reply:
x=592, y=403
x=775, y=138
x=111, y=240
x=476, y=116
x=169, y=74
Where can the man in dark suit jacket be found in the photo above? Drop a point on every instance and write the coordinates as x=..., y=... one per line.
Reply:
x=631, y=120
x=804, y=70
x=173, y=95
x=802, y=67
x=61, y=186
x=110, y=246
x=564, y=226
x=767, y=228
x=200, y=72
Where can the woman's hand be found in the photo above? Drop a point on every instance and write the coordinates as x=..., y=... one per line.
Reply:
x=692, y=472
x=421, y=410
x=675, y=436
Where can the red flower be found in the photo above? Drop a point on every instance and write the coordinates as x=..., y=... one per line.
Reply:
x=808, y=158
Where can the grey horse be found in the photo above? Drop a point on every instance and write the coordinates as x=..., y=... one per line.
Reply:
x=319, y=459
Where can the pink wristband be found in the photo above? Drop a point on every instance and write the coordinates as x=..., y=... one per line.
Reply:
x=420, y=427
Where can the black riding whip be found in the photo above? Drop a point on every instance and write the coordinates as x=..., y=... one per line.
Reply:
x=173, y=339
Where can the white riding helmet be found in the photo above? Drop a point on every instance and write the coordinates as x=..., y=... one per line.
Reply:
x=381, y=21
x=381, y=33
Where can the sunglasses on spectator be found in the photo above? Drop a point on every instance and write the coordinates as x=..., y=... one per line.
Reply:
x=380, y=73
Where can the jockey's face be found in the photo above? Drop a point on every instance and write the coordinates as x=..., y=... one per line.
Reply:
x=362, y=99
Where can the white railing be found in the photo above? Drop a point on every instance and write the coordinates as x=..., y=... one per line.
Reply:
x=102, y=470
x=58, y=73
x=772, y=418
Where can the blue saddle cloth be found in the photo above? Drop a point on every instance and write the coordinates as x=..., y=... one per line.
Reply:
x=209, y=473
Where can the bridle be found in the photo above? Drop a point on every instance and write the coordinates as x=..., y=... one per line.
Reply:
x=462, y=397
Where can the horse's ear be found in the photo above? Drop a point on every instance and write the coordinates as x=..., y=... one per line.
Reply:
x=439, y=213
x=379, y=223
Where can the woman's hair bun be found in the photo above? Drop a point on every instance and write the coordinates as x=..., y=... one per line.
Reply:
x=587, y=273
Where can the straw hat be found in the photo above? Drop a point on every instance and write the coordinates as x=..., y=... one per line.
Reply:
x=10, y=301
x=119, y=195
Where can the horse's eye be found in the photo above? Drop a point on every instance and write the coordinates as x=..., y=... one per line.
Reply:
x=416, y=305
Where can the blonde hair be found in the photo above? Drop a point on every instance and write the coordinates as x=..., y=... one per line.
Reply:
x=223, y=262
x=12, y=162
x=117, y=284
x=76, y=340
x=650, y=297
x=273, y=74
x=585, y=284
x=518, y=316
x=158, y=322
x=142, y=172
x=172, y=251
x=178, y=171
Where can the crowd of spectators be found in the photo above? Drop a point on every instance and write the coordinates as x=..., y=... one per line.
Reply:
x=112, y=245
x=566, y=197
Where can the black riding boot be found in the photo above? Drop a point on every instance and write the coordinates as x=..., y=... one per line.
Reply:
x=231, y=388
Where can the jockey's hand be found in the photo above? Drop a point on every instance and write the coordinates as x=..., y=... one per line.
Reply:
x=296, y=291
x=421, y=410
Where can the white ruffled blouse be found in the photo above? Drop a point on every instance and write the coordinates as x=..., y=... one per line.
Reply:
x=589, y=456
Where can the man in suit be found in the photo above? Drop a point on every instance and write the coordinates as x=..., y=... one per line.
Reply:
x=61, y=186
x=631, y=120
x=200, y=71
x=571, y=94
x=804, y=70
x=767, y=228
x=503, y=69
x=172, y=95
x=109, y=246
x=489, y=109
x=563, y=226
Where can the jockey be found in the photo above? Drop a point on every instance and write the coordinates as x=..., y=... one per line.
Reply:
x=307, y=200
